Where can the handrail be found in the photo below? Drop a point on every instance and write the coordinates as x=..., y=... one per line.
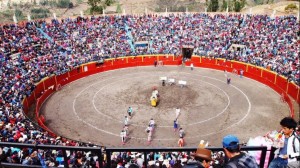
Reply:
x=109, y=151
x=185, y=149
x=97, y=150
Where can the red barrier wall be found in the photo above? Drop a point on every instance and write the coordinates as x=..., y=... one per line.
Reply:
x=239, y=66
x=39, y=103
x=147, y=60
x=278, y=83
x=90, y=66
x=254, y=70
x=210, y=61
x=195, y=59
x=270, y=76
x=281, y=82
x=39, y=89
x=294, y=91
x=50, y=82
x=31, y=100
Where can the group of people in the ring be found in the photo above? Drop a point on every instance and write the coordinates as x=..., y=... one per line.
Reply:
x=124, y=131
x=180, y=130
x=287, y=156
x=150, y=128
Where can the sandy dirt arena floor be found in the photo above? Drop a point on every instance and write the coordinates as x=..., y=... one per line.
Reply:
x=93, y=108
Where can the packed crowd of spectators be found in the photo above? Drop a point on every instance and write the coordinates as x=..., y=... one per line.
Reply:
x=37, y=49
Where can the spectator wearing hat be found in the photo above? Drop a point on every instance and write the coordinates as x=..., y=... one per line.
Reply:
x=202, y=157
x=236, y=158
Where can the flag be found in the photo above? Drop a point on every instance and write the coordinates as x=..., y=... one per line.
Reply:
x=28, y=18
x=227, y=9
x=15, y=19
x=166, y=12
x=273, y=14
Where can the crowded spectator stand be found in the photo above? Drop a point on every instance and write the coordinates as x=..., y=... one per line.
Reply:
x=34, y=53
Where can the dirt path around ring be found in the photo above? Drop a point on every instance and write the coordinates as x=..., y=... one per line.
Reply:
x=92, y=109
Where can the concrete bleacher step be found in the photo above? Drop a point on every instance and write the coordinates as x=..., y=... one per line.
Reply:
x=130, y=40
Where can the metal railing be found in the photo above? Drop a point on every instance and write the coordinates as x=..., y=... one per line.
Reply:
x=98, y=151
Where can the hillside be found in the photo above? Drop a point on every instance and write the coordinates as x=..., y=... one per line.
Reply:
x=269, y=8
x=22, y=8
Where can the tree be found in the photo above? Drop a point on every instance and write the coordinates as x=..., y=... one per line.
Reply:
x=259, y=2
x=94, y=3
x=119, y=9
x=239, y=5
x=109, y=2
x=170, y=4
x=290, y=8
x=19, y=14
x=95, y=6
x=213, y=5
x=64, y=4
x=224, y=5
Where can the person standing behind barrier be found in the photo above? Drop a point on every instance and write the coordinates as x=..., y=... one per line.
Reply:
x=241, y=73
x=237, y=158
x=287, y=155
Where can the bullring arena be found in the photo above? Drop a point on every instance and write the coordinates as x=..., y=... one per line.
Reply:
x=66, y=86
x=92, y=109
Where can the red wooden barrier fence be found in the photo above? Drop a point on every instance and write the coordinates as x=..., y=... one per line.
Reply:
x=49, y=85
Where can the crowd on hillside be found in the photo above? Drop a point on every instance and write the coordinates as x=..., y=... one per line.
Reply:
x=37, y=49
